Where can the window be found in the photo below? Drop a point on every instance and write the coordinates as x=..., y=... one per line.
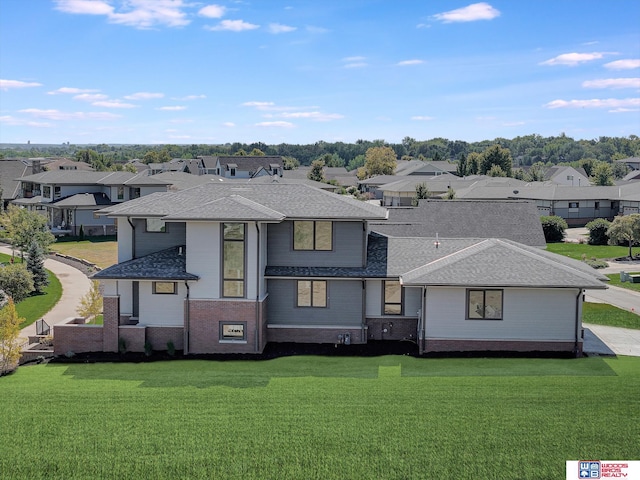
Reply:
x=574, y=205
x=46, y=191
x=233, y=260
x=597, y=205
x=484, y=304
x=134, y=192
x=155, y=225
x=233, y=331
x=312, y=293
x=120, y=192
x=56, y=192
x=311, y=235
x=165, y=288
x=392, y=298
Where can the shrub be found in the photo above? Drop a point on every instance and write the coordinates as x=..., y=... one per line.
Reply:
x=553, y=227
x=16, y=281
x=598, y=231
x=148, y=350
x=171, y=348
x=596, y=263
x=122, y=345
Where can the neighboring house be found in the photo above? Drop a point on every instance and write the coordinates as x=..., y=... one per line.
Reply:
x=466, y=219
x=419, y=167
x=227, y=268
x=68, y=164
x=573, y=177
x=338, y=174
x=632, y=162
x=577, y=205
x=10, y=169
x=70, y=198
x=241, y=166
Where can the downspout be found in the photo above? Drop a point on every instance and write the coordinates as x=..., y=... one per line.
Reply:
x=422, y=333
x=186, y=321
x=257, y=332
x=577, y=323
x=133, y=238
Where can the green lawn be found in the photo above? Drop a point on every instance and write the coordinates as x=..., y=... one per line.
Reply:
x=393, y=417
x=576, y=250
x=102, y=251
x=615, y=280
x=605, y=314
x=35, y=307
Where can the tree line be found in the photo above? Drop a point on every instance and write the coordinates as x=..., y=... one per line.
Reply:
x=525, y=151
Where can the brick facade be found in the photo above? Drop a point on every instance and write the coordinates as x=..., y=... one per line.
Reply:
x=158, y=337
x=206, y=316
x=111, y=315
x=77, y=338
x=133, y=337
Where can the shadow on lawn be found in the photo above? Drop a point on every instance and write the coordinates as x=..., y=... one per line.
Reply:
x=257, y=371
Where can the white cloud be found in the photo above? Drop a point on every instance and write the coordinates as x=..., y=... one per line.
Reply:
x=90, y=97
x=612, y=83
x=84, y=7
x=422, y=118
x=144, y=96
x=258, y=105
x=354, y=59
x=279, y=124
x=72, y=91
x=406, y=63
x=355, y=65
x=58, y=115
x=141, y=14
x=212, y=11
x=7, y=84
x=13, y=121
x=174, y=108
x=470, y=13
x=279, y=28
x=513, y=124
x=354, y=62
x=318, y=116
x=314, y=29
x=624, y=110
x=229, y=124
x=573, y=59
x=113, y=104
x=615, y=103
x=627, y=64
x=233, y=26
x=190, y=97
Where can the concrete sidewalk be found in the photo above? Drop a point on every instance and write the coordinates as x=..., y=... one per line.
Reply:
x=75, y=285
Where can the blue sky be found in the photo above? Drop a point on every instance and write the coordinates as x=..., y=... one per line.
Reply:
x=186, y=71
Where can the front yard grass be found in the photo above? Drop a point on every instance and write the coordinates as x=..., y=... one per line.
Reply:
x=102, y=251
x=615, y=281
x=392, y=417
x=577, y=250
x=605, y=314
x=36, y=306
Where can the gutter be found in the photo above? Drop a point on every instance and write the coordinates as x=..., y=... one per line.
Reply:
x=133, y=238
x=577, y=323
x=257, y=330
x=187, y=318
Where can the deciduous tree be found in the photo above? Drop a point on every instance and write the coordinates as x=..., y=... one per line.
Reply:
x=602, y=174
x=23, y=227
x=496, y=155
x=422, y=192
x=625, y=229
x=316, y=173
x=91, y=302
x=9, y=335
x=380, y=161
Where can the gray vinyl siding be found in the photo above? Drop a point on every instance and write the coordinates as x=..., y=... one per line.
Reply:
x=348, y=247
x=150, y=242
x=344, y=304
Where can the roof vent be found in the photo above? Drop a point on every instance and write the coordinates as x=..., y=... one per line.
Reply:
x=516, y=192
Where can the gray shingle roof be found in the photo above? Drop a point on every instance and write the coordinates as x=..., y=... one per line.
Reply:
x=232, y=208
x=293, y=201
x=169, y=264
x=499, y=263
x=511, y=219
x=83, y=200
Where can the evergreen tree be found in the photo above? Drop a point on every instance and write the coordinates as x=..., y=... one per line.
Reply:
x=317, y=171
x=422, y=192
x=35, y=265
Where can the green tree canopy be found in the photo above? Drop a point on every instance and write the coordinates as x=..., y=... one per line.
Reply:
x=316, y=173
x=625, y=229
x=602, y=174
x=496, y=155
x=16, y=281
x=22, y=227
x=380, y=161
x=422, y=192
